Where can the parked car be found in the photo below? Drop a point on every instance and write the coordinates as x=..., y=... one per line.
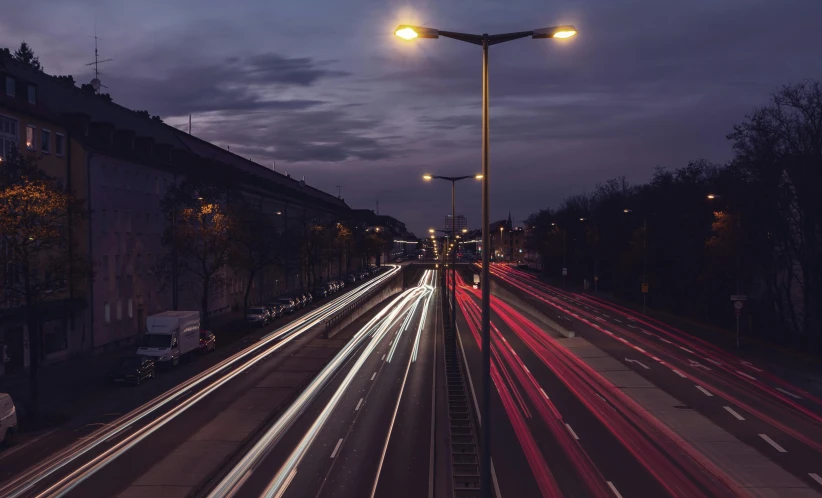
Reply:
x=330, y=288
x=363, y=275
x=170, y=336
x=341, y=284
x=308, y=298
x=273, y=311
x=287, y=305
x=208, y=342
x=258, y=316
x=320, y=291
x=351, y=278
x=8, y=419
x=132, y=369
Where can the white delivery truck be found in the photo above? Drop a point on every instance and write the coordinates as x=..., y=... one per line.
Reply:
x=8, y=419
x=170, y=335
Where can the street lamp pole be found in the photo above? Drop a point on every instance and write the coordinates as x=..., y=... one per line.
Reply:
x=485, y=40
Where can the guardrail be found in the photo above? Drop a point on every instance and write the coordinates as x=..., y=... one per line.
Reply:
x=355, y=306
x=549, y=311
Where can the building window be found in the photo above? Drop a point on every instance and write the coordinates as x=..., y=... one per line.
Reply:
x=30, y=137
x=9, y=136
x=119, y=309
x=130, y=309
x=32, y=94
x=107, y=311
x=10, y=86
x=59, y=144
x=45, y=141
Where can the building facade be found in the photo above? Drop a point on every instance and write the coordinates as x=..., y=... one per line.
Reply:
x=457, y=223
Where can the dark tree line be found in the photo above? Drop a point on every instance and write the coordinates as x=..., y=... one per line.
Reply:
x=702, y=232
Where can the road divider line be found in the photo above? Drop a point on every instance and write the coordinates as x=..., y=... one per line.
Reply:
x=383, y=358
x=572, y=432
x=733, y=412
x=815, y=477
x=618, y=321
x=614, y=489
x=704, y=391
x=336, y=448
x=746, y=375
x=680, y=374
x=646, y=332
x=788, y=393
x=773, y=443
x=358, y=404
x=543, y=393
x=373, y=375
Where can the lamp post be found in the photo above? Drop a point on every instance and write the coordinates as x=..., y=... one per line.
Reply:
x=738, y=236
x=564, y=257
x=485, y=40
x=453, y=180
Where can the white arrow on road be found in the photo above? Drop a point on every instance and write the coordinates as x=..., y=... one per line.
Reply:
x=638, y=363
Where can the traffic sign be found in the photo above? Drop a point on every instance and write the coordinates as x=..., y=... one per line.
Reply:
x=645, y=288
x=738, y=311
x=739, y=297
x=738, y=305
x=565, y=271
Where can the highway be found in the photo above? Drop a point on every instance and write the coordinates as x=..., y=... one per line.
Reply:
x=108, y=460
x=776, y=418
x=364, y=425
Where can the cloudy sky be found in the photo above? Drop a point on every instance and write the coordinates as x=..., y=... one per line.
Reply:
x=324, y=90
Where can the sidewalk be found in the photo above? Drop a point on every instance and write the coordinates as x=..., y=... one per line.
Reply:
x=86, y=375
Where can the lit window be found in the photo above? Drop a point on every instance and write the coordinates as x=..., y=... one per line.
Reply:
x=45, y=141
x=30, y=137
x=10, y=86
x=107, y=311
x=59, y=144
x=32, y=94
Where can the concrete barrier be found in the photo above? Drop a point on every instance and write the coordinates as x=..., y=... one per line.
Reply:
x=393, y=286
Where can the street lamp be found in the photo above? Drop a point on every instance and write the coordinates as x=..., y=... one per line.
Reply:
x=453, y=180
x=738, y=237
x=564, y=257
x=408, y=32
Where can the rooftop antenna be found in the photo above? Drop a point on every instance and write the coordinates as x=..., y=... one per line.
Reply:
x=339, y=195
x=95, y=83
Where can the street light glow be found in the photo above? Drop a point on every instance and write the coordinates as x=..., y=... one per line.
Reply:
x=565, y=34
x=566, y=31
x=478, y=177
x=430, y=230
x=427, y=177
x=712, y=196
x=406, y=33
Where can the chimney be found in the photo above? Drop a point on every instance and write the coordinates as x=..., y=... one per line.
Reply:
x=144, y=146
x=124, y=140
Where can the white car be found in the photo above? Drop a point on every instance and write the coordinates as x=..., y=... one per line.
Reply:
x=8, y=419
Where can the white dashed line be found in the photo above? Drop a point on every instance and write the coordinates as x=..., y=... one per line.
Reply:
x=373, y=375
x=788, y=393
x=748, y=364
x=358, y=404
x=717, y=363
x=646, y=332
x=606, y=316
x=632, y=326
x=815, y=477
x=526, y=369
x=733, y=412
x=543, y=393
x=640, y=349
x=614, y=489
x=383, y=358
x=392, y=342
x=618, y=321
x=686, y=350
x=336, y=448
x=704, y=391
x=773, y=443
x=572, y=432
x=600, y=397
x=665, y=340
x=746, y=375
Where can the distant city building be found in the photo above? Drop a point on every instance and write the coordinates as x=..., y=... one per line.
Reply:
x=459, y=223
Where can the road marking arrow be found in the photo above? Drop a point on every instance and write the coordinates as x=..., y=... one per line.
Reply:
x=638, y=363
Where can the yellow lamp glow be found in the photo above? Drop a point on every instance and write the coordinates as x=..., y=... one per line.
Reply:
x=565, y=34
x=406, y=33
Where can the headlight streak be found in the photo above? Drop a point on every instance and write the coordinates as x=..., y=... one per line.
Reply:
x=383, y=322
x=420, y=328
x=35, y=475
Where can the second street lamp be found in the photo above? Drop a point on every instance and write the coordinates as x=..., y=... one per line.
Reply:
x=453, y=180
x=485, y=40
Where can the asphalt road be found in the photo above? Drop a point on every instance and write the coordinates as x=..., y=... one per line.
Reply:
x=108, y=457
x=764, y=411
x=369, y=432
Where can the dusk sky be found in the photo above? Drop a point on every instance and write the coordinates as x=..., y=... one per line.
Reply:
x=324, y=88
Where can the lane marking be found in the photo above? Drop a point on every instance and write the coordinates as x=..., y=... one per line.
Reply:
x=358, y=404
x=383, y=358
x=733, y=412
x=336, y=448
x=746, y=375
x=773, y=443
x=614, y=489
x=815, y=477
x=665, y=340
x=543, y=393
x=392, y=342
x=788, y=393
x=748, y=364
x=646, y=332
x=717, y=363
x=373, y=375
x=686, y=350
x=632, y=326
x=618, y=321
x=607, y=316
x=704, y=391
x=572, y=432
